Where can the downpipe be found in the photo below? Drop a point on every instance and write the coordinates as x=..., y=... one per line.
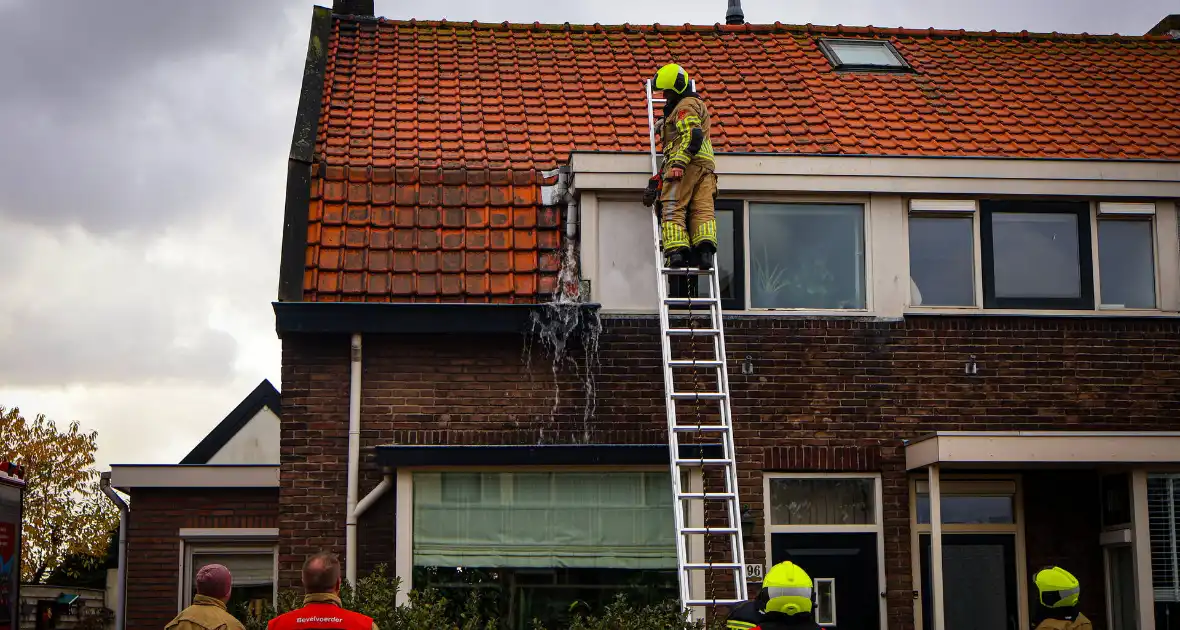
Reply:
x=354, y=463
x=104, y=483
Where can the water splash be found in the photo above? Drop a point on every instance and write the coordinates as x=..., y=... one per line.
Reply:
x=556, y=325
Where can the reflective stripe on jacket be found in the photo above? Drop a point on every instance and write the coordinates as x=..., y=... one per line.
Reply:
x=676, y=133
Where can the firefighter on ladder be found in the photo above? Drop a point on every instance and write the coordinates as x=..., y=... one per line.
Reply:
x=686, y=186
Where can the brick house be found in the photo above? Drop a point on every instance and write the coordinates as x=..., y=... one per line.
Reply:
x=951, y=265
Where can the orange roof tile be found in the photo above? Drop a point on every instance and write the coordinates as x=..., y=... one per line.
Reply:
x=432, y=135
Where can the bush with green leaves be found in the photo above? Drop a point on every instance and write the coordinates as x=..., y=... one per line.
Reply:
x=375, y=595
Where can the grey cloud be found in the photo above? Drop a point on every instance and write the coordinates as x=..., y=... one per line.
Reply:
x=124, y=115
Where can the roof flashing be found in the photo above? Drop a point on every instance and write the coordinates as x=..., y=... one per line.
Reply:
x=862, y=55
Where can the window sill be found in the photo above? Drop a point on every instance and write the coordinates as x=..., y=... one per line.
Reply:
x=975, y=311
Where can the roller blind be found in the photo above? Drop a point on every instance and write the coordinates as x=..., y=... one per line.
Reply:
x=1163, y=521
x=547, y=519
x=248, y=569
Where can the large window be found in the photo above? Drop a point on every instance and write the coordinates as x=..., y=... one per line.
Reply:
x=533, y=543
x=807, y=256
x=1017, y=254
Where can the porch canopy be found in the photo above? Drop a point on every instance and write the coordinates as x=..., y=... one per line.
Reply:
x=978, y=450
x=982, y=449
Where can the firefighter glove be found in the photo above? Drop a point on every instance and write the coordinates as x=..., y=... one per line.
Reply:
x=652, y=192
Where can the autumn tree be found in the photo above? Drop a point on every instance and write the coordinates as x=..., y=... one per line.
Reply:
x=65, y=512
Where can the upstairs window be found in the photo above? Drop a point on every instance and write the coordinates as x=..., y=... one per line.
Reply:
x=1036, y=254
x=863, y=54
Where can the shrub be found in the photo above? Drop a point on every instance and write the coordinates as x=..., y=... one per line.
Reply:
x=375, y=595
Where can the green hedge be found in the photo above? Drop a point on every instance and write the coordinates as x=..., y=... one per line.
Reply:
x=375, y=596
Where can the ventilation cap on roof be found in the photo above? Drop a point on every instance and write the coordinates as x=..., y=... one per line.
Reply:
x=734, y=14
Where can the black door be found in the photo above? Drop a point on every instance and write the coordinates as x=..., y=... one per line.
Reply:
x=850, y=560
x=978, y=582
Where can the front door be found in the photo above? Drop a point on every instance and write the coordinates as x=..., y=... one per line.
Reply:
x=844, y=569
x=978, y=582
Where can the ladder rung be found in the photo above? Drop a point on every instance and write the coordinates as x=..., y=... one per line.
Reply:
x=698, y=396
x=718, y=566
x=702, y=428
x=695, y=363
x=709, y=530
x=694, y=496
x=704, y=462
x=714, y=602
x=691, y=332
x=690, y=301
x=685, y=271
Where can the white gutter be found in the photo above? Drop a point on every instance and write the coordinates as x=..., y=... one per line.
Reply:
x=354, y=461
x=104, y=484
x=376, y=493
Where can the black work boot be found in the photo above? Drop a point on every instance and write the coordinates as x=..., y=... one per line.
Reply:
x=677, y=258
x=705, y=253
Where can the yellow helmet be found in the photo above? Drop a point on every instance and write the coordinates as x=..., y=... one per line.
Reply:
x=671, y=77
x=1057, y=588
x=787, y=589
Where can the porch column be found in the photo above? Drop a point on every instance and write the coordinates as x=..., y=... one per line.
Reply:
x=403, y=543
x=1141, y=558
x=936, y=548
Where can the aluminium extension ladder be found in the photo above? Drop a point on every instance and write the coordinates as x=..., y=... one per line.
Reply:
x=704, y=439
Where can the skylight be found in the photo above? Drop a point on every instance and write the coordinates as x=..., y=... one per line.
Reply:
x=863, y=54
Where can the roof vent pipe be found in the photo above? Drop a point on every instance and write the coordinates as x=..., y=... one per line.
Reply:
x=734, y=14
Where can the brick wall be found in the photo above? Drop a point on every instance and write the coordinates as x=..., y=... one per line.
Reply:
x=153, y=541
x=822, y=394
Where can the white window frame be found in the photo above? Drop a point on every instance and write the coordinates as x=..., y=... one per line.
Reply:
x=878, y=527
x=1099, y=210
x=865, y=202
x=987, y=485
x=228, y=540
x=832, y=589
x=404, y=514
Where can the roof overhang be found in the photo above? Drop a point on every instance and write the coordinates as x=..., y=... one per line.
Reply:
x=411, y=456
x=776, y=173
x=126, y=477
x=1025, y=448
x=402, y=318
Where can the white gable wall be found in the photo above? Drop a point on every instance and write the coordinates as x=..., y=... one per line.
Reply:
x=255, y=443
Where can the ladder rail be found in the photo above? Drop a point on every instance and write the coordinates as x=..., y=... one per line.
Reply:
x=666, y=357
x=736, y=566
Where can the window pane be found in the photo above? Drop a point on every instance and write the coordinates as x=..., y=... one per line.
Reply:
x=864, y=54
x=1126, y=263
x=725, y=250
x=807, y=256
x=969, y=510
x=1035, y=255
x=825, y=600
x=942, y=261
x=820, y=501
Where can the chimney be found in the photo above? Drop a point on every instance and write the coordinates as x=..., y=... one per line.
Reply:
x=1168, y=26
x=353, y=7
x=734, y=14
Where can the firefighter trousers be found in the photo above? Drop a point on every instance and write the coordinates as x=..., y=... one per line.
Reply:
x=688, y=214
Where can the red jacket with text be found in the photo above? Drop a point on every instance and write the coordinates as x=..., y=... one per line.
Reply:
x=321, y=611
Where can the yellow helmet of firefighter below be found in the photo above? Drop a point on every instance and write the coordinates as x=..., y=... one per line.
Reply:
x=1057, y=588
x=788, y=589
x=672, y=77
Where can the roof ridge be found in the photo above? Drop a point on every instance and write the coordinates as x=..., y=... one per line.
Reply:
x=776, y=27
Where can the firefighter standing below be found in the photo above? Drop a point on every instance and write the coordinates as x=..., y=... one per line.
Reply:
x=214, y=582
x=784, y=603
x=322, y=609
x=1057, y=593
x=687, y=184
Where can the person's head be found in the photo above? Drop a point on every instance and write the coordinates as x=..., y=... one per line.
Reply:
x=786, y=589
x=321, y=574
x=1057, y=588
x=214, y=580
x=672, y=80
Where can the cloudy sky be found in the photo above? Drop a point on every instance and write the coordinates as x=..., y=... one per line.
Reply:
x=142, y=159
